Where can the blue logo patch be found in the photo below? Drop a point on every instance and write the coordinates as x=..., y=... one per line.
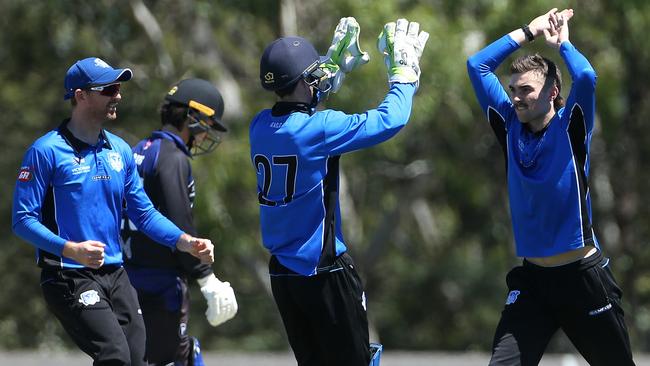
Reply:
x=512, y=297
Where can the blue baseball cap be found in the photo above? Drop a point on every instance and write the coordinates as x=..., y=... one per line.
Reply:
x=92, y=71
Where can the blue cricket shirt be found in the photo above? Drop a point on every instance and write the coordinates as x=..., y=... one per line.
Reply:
x=547, y=171
x=69, y=190
x=296, y=156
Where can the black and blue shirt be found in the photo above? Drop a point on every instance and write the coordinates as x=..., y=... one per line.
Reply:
x=163, y=164
x=548, y=171
x=296, y=156
x=68, y=190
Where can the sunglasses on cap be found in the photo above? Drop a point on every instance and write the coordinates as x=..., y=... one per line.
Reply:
x=110, y=90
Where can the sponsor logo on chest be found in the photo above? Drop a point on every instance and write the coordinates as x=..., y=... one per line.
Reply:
x=79, y=166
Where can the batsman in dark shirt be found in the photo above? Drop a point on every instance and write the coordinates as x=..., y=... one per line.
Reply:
x=190, y=115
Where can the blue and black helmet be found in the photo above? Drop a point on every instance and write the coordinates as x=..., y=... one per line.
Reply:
x=285, y=61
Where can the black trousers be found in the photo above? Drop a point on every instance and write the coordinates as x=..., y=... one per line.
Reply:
x=166, y=315
x=324, y=315
x=99, y=309
x=581, y=298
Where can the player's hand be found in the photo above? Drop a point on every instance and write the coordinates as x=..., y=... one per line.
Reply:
x=345, y=51
x=200, y=248
x=541, y=23
x=344, y=54
x=89, y=253
x=402, y=44
x=222, y=304
x=558, y=31
x=549, y=21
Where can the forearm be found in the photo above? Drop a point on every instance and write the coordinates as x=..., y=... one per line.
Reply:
x=489, y=58
x=32, y=231
x=160, y=229
x=394, y=111
x=518, y=35
x=345, y=133
x=184, y=240
x=481, y=69
x=577, y=64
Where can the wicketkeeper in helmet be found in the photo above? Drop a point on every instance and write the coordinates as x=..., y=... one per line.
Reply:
x=295, y=151
x=191, y=125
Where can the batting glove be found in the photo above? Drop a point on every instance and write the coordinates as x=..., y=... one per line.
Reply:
x=402, y=44
x=222, y=304
x=344, y=55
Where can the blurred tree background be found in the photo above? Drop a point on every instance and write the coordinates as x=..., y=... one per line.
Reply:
x=425, y=215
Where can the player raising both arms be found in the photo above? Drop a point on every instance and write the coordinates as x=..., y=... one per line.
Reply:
x=295, y=151
x=565, y=281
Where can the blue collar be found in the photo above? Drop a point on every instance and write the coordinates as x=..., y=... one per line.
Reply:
x=168, y=135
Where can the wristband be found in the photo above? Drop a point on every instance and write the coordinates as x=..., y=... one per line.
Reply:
x=529, y=35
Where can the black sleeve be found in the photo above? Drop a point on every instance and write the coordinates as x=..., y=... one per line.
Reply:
x=174, y=174
x=176, y=186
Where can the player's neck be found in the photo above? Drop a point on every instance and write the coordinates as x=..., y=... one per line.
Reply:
x=86, y=130
x=539, y=124
x=301, y=94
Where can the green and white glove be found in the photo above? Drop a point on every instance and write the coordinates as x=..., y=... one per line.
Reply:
x=344, y=55
x=402, y=44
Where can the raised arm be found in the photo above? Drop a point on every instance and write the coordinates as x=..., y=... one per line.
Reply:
x=345, y=133
x=481, y=68
x=581, y=102
x=402, y=44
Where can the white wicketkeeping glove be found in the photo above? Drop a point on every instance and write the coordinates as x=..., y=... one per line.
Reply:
x=344, y=55
x=222, y=304
x=402, y=47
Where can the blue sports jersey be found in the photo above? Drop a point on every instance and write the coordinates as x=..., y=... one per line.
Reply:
x=547, y=171
x=296, y=156
x=69, y=190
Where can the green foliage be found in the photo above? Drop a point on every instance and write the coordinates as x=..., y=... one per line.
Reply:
x=425, y=215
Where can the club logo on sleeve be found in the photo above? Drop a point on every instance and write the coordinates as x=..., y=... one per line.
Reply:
x=115, y=159
x=25, y=174
x=512, y=297
x=90, y=297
